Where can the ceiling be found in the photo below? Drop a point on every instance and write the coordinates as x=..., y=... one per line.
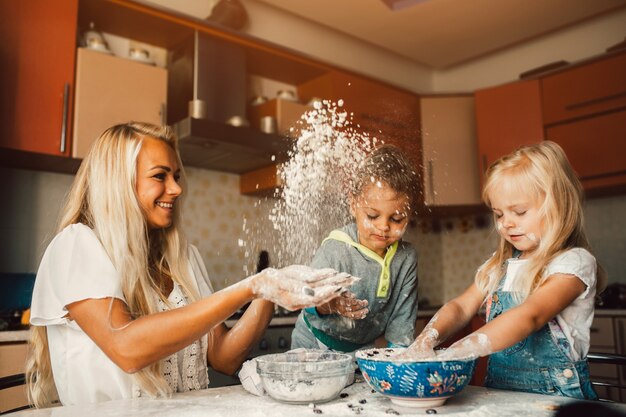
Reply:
x=444, y=33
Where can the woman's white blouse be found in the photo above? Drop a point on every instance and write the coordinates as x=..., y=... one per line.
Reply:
x=76, y=267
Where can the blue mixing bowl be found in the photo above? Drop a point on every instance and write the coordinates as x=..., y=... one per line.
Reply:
x=414, y=384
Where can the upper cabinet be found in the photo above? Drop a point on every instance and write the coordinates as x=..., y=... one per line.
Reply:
x=38, y=46
x=582, y=107
x=507, y=117
x=585, y=90
x=385, y=112
x=112, y=90
x=584, y=110
x=450, y=162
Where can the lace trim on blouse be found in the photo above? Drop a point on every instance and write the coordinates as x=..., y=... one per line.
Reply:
x=192, y=359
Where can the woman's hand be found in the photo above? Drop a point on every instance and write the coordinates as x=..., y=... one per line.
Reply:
x=299, y=286
x=346, y=305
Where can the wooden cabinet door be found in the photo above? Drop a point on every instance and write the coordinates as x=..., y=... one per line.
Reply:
x=588, y=89
x=37, y=45
x=12, y=362
x=382, y=111
x=507, y=117
x=596, y=148
x=112, y=90
x=451, y=176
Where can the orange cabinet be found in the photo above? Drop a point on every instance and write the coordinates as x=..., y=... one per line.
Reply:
x=38, y=44
x=591, y=88
x=382, y=111
x=595, y=147
x=507, y=117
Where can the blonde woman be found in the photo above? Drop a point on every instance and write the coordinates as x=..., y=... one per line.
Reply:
x=539, y=285
x=122, y=305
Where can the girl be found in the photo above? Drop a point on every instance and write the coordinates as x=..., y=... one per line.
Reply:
x=539, y=285
x=118, y=307
x=384, y=302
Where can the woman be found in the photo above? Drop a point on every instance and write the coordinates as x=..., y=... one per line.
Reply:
x=122, y=305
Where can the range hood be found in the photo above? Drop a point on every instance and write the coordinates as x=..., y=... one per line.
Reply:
x=207, y=83
x=221, y=147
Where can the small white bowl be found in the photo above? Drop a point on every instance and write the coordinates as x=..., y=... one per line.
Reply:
x=304, y=377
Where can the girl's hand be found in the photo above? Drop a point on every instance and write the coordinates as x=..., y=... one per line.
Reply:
x=470, y=347
x=346, y=305
x=299, y=286
x=423, y=347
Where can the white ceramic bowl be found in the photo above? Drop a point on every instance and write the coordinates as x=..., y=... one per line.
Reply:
x=303, y=377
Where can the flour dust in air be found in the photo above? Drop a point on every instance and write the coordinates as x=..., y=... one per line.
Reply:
x=316, y=182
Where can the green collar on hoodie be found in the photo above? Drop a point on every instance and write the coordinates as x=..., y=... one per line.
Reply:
x=385, y=275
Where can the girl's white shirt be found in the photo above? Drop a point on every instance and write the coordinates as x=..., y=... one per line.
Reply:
x=76, y=267
x=575, y=320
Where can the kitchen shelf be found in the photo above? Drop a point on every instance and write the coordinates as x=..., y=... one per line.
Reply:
x=14, y=158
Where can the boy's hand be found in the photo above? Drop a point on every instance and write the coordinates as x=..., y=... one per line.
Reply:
x=346, y=305
x=299, y=286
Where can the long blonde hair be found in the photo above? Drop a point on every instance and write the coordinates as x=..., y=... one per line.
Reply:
x=103, y=197
x=543, y=172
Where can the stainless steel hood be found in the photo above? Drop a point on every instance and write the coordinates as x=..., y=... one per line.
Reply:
x=212, y=72
x=221, y=147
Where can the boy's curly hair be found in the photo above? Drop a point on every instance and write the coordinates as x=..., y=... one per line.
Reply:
x=389, y=164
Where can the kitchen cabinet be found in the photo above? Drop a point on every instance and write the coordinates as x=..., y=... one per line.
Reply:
x=595, y=147
x=507, y=117
x=12, y=362
x=385, y=112
x=38, y=44
x=449, y=151
x=608, y=335
x=112, y=90
x=261, y=182
x=584, y=90
x=584, y=110
x=381, y=111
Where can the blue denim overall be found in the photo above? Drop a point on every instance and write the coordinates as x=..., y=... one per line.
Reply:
x=540, y=363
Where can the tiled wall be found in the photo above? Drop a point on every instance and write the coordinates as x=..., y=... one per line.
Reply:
x=449, y=250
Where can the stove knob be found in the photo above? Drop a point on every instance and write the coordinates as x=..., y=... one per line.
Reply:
x=282, y=343
x=263, y=344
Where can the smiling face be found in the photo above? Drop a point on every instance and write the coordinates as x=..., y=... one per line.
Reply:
x=381, y=215
x=518, y=217
x=157, y=182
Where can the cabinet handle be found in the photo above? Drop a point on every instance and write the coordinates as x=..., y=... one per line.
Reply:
x=66, y=99
x=597, y=100
x=431, y=180
x=163, y=113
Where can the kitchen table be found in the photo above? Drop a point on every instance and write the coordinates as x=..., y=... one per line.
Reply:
x=234, y=401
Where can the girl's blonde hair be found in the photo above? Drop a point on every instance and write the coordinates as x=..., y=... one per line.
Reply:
x=541, y=172
x=103, y=197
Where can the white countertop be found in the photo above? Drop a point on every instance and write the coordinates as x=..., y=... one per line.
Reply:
x=235, y=402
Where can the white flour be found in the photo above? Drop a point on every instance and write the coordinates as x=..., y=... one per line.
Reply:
x=304, y=390
x=316, y=180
